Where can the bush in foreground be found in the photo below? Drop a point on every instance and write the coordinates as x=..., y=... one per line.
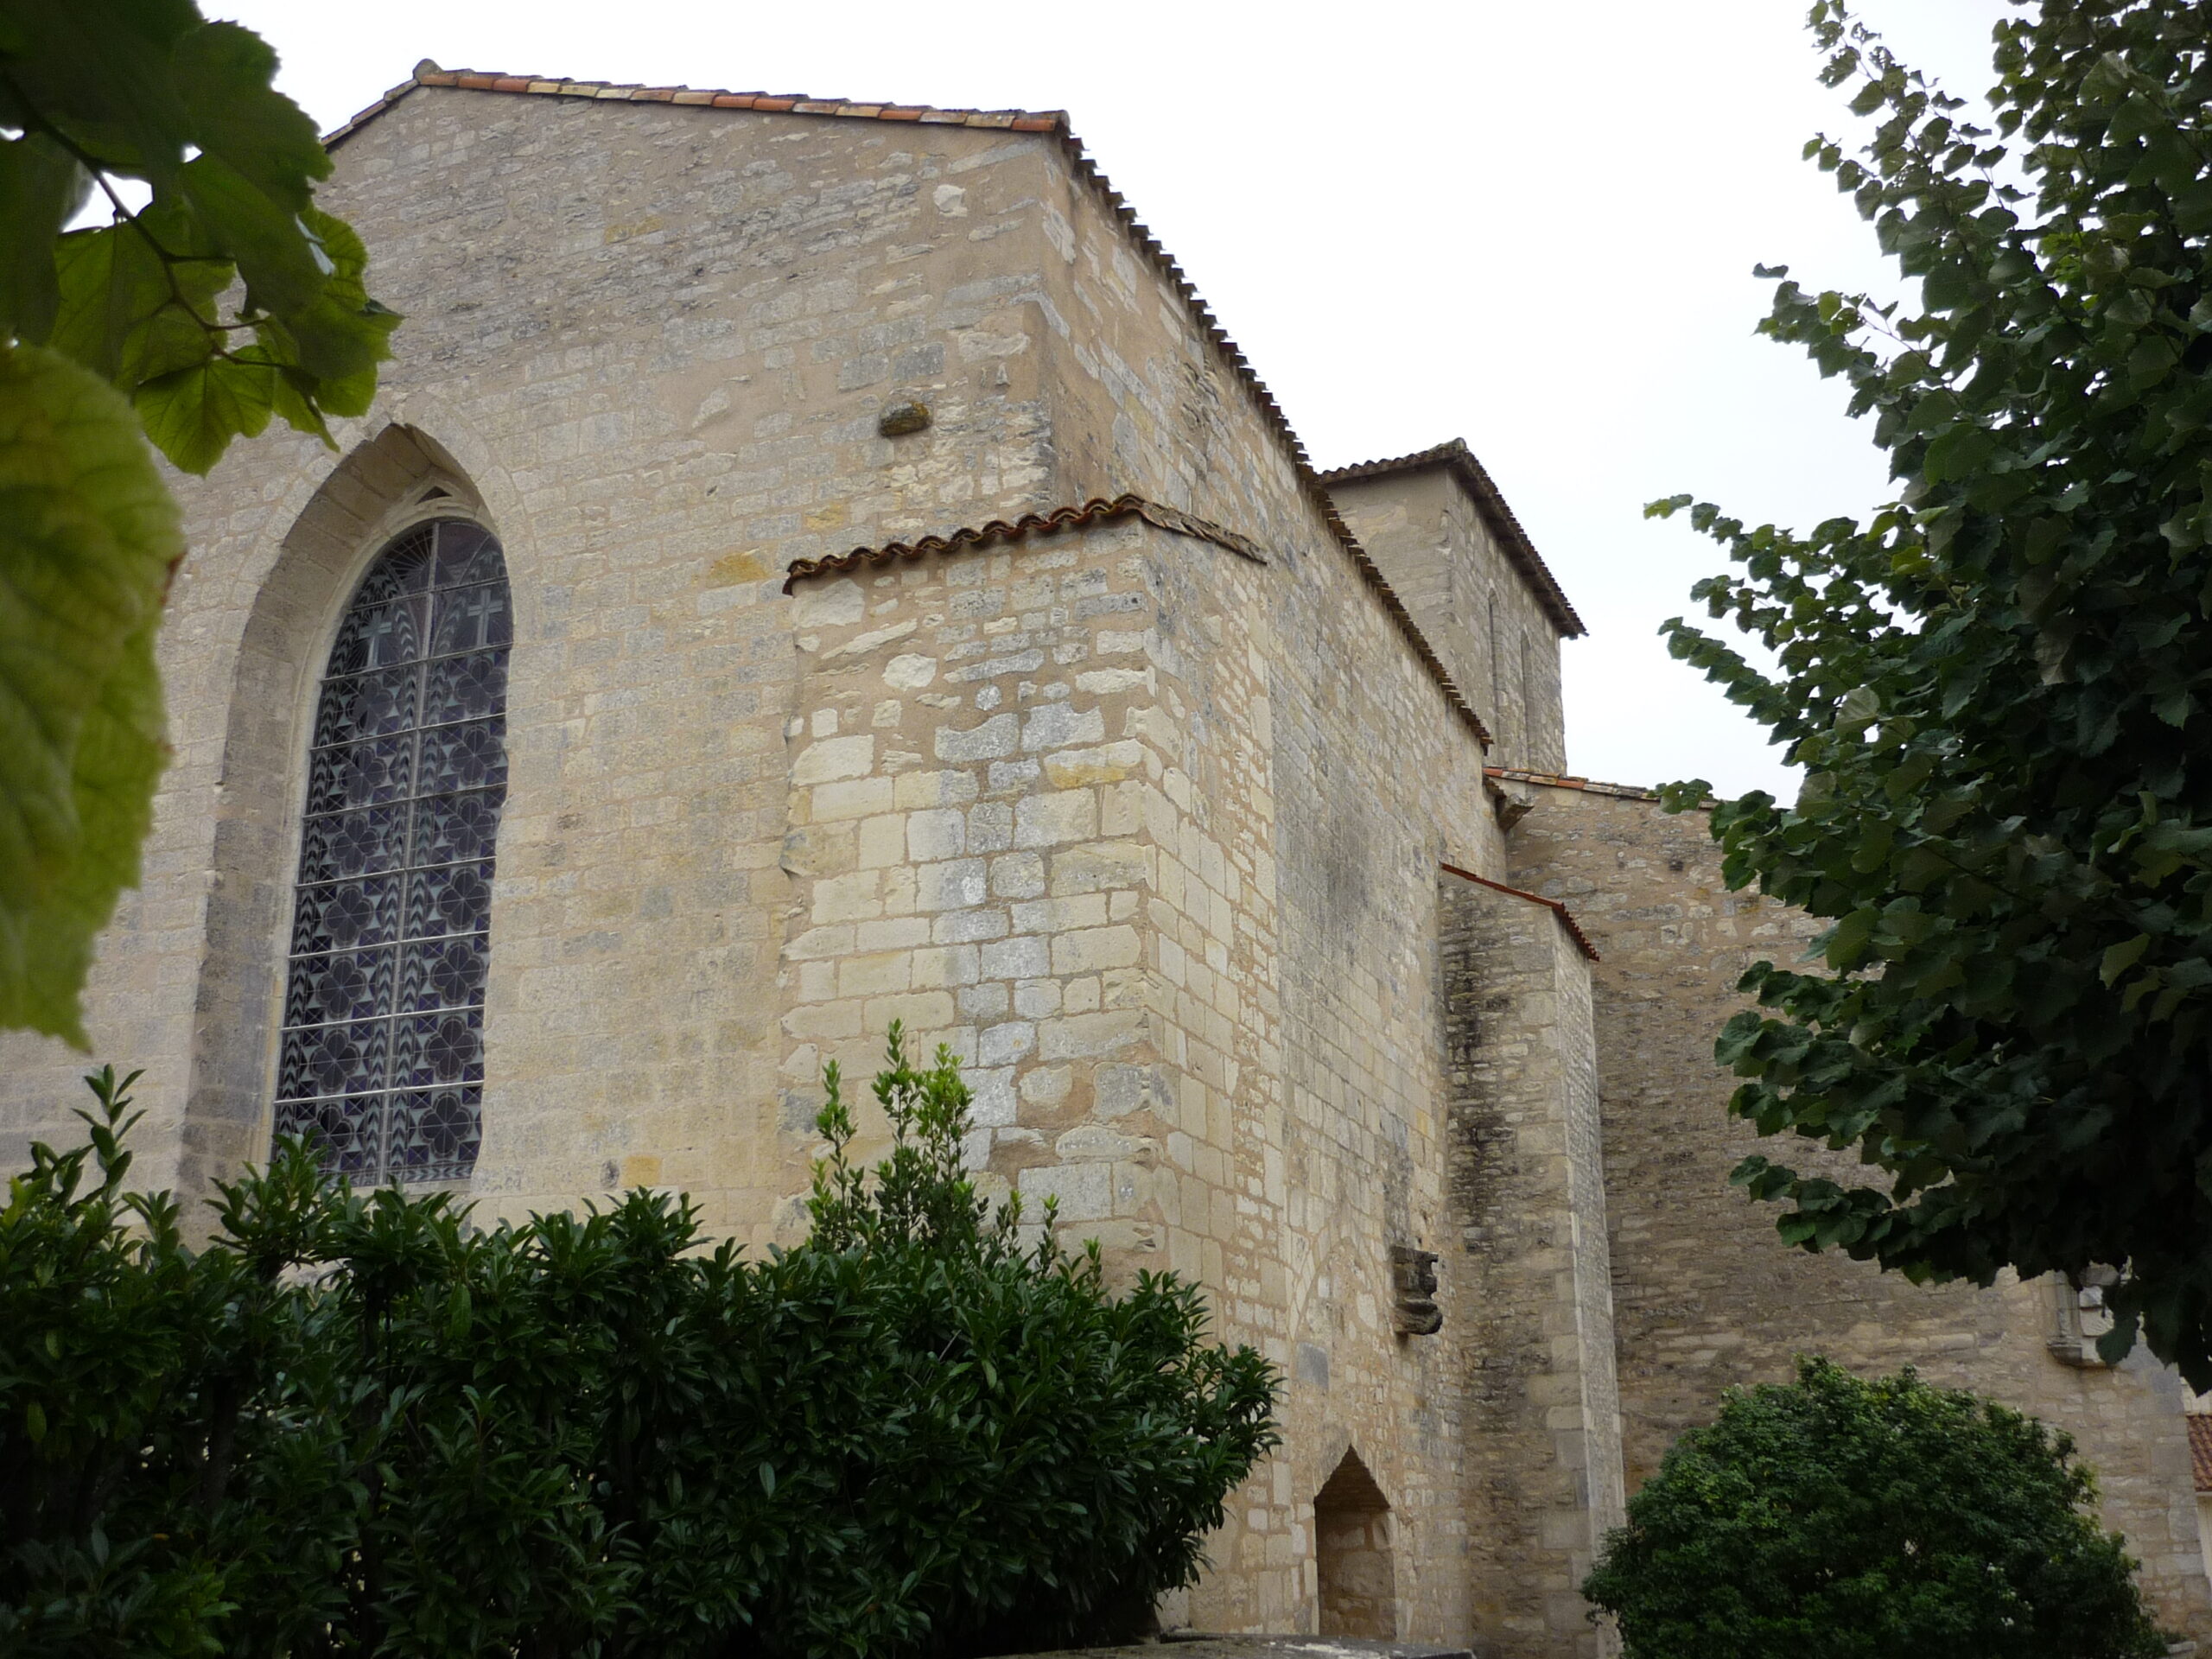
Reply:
x=353, y=1424
x=1836, y=1518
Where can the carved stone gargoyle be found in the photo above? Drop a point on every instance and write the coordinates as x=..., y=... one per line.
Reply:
x=1413, y=1278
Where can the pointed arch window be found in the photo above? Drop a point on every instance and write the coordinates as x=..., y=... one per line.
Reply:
x=382, y=1059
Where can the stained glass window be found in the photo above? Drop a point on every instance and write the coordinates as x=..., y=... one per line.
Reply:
x=382, y=1061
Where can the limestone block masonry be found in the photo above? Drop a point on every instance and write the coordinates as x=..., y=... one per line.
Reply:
x=1076, y=728
x=1704, y=1296
x=1528, y=1185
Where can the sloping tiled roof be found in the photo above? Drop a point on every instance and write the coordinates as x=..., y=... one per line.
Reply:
x=1053, y=122
x=1461, y=461
x=2200, y=1448
x=429, y=75
x=1587, y=785
x=1566, y=915
x=1096, y=510
x=1569, y=780
x=1100, y=511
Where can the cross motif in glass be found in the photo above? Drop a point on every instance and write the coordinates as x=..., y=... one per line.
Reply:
x=382, y=1060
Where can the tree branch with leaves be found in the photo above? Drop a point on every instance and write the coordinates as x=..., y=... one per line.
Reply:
x=227, y=298
x=1999, y=685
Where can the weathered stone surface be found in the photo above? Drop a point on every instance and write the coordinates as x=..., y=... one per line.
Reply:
x=1705, y=1296
x=1426, y=532
x=1144, y=819
x=1542, y=1416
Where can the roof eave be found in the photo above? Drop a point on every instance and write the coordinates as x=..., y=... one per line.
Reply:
x=1453, y=456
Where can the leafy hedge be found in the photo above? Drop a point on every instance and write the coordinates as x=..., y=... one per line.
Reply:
x=1839, y=1518
x=354, y=1424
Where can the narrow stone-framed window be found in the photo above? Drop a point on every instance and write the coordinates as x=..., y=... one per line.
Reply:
x=382, y=1057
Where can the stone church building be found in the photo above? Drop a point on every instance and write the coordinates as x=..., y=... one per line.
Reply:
x=816, y=564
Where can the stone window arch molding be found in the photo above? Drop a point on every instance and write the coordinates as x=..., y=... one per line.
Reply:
x=394, y=483
x=380, y=1043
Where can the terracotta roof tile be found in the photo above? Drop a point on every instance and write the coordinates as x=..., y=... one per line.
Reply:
x=1569, y=780
x=1587, y=785
x=1566, y=915
x=2200, y=1448
x=1460, y=459
x=1054, y=121
x=1096, y=510
x=1099, y=511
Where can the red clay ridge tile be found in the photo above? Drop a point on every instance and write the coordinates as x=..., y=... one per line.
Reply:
x=1573, y=780
x=2200, y=1448
x=1566, y=917
x=1460, y=461
x=1098, y=510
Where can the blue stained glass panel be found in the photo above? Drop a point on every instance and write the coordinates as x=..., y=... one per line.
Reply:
x=357, y=706
x=381, y=1063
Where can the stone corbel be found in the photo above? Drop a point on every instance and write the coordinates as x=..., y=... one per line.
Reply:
x=2082, y=1317
x=1413, y=1282
x=1511, y=802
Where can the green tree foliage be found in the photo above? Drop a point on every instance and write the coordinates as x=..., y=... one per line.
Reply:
x=227, y=297
x=1836, y=1518
x=354, y=1424
x=2000, y=686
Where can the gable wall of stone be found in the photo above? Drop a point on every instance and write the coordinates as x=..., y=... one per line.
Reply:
x=656, y=341
x=1495, y=637
x=648, y=347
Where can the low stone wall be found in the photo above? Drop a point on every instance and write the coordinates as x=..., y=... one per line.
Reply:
x=1706, y=1296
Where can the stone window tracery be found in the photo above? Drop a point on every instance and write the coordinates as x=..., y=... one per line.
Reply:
x=382, y=1056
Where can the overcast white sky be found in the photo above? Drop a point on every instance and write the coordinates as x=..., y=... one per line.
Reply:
x=1529, y=225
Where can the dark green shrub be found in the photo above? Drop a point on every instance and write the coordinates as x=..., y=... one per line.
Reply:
x=354, y=1425
x=1836, y=1518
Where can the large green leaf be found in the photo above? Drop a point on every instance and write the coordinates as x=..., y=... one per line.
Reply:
x=146, y=89
x=137, y=297
x=284, y=268
x=225, y=74
x=109, y=336
x=194, y=413
x=88, y=537
x=41, y=186
x=99, y=71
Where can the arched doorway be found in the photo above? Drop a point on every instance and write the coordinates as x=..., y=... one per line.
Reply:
x=1351, y=1540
